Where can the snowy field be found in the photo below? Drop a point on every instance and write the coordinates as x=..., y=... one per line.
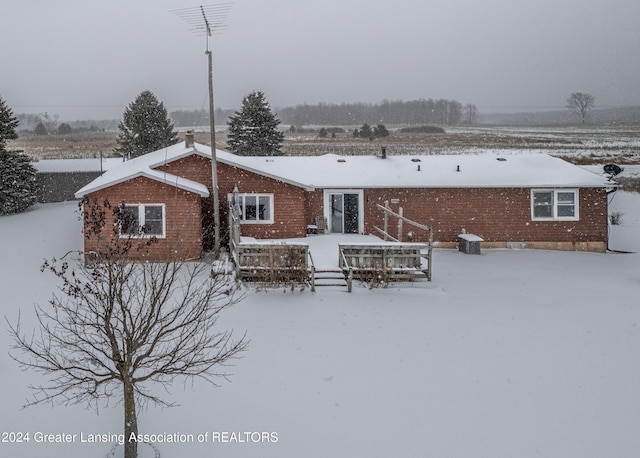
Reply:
x=514, y=353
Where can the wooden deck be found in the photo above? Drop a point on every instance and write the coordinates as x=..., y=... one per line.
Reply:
x=376, y=262
x=275, y=262
x=384, y=263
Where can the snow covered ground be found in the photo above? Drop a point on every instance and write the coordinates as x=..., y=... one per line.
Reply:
x=514, y=353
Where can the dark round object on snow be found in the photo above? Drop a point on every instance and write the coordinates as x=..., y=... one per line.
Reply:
x=612, y=169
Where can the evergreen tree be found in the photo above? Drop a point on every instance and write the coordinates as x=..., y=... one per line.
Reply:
x=253, y=131
x=17, y=176
x=365, y=131
x=380, y=131
x=64, y=129
x=40, y=129
x=145, y=127
x=8, y=124
x=18, y=184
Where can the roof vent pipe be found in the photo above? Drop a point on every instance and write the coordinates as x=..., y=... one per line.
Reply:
x=383, y=152
x=188, y=139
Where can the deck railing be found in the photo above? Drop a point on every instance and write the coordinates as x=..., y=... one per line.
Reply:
x=385, y=262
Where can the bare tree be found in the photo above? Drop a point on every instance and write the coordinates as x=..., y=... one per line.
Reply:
x=580, y=103
x=121, y=326
x=470, y=113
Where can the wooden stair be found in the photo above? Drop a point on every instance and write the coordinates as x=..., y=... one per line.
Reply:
x=329, y=277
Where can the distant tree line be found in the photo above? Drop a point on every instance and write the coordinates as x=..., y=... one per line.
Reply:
x=422, y=130
x=46, y=124
x=30, y=121
x=417, y=112
x=422, y=111
x=310, y=130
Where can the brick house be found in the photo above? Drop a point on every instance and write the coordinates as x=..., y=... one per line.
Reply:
x=537, y=199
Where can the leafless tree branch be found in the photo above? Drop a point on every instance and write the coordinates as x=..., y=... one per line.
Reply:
x=119, y=327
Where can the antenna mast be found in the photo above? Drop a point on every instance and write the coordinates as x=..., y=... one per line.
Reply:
x=209, y=19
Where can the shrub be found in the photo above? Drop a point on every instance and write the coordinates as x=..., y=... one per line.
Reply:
x=616, y=218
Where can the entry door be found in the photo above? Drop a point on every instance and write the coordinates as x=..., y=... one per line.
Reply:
x=344, y=212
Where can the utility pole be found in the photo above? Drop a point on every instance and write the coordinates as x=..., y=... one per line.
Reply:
x=214, y=157
x=214, y=162
x=198, y=18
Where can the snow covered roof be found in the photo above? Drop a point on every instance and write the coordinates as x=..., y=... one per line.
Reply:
x=76, y=165
x=499, y=169
x=487, y=170
x=144, y=166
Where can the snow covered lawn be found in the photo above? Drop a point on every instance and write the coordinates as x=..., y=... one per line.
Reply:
x=508, y=354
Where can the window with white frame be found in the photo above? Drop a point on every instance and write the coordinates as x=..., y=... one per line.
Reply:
x=554, y=204
x=255, y=208
x=146, y=220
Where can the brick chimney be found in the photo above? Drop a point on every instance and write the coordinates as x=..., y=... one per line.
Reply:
x=188, y=139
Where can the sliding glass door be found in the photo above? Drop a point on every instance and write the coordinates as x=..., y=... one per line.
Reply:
x=344, y=212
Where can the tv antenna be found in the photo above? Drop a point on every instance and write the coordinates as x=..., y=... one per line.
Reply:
x=207, y=20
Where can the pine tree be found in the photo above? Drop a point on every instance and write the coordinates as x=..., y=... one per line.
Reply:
x=145, y=127
x=253, y=131
x=18, y=184
x=380, y=131
x=8, y=124
x=40, y=129
x=64, y=129
x=17, y=176
x=365, y=131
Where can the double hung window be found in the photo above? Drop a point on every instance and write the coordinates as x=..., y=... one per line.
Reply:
x=143, y=220
x=255, y=208
x=554, y=204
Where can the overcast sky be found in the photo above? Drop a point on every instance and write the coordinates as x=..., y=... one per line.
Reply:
x=87, y=59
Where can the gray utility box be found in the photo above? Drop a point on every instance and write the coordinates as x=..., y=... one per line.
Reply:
x=469, y=243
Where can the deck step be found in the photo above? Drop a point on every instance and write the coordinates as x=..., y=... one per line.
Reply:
x=330, y=277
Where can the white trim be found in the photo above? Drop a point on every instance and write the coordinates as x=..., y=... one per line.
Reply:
x=161, y=177
x=243, y=195
x=327, y=205
x=554, y=204
x=141, y=221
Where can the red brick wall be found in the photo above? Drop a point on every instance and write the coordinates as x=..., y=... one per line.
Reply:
x=194, y=167
x=497, y=215
x=288, y=200
x=314, y=205
x=289, y=205
x=182, y=211
x=493, y=214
